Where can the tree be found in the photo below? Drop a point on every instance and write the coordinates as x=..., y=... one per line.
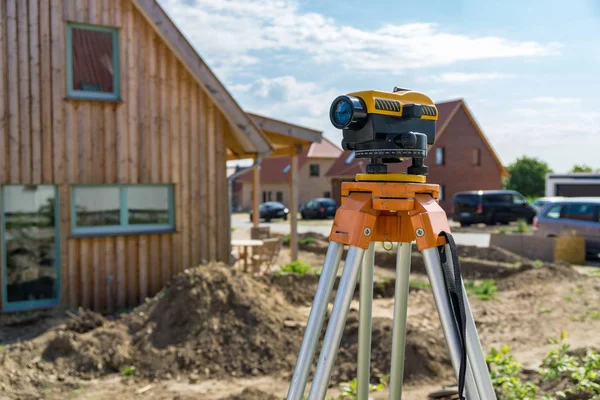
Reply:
x=528, y=176
x=582, y=168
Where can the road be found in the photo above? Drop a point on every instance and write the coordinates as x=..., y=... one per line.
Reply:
x=241, y=221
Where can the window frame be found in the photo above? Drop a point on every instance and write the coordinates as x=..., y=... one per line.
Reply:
x=124, y=227
x=476, y=157
x=317, y=168
x=442, y=151
x=89, y=95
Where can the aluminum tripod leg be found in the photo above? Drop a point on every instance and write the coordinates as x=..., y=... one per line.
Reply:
x=337, y=323
x=365, y=324
x=400, y=312
x=315, y=321
x=448, y=322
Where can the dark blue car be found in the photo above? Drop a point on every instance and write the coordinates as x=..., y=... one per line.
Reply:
x=320, y=208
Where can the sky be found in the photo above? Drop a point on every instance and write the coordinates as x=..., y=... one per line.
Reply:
x=528, y=70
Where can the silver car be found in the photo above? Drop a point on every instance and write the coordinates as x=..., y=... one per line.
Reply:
x=580, y=215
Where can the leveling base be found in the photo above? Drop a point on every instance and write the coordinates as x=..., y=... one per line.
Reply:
x=400, y=209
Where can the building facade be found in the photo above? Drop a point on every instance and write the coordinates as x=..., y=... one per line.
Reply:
x=460, y=159
x=114, y=137
x=314, y=163
x=577, y=184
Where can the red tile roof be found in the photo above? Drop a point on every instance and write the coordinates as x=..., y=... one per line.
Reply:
x=273, y=169
x=346, y=165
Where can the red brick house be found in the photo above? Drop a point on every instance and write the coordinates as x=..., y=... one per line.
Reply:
x=461, y=159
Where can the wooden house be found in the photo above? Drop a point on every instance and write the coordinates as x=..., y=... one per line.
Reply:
x=114, y=137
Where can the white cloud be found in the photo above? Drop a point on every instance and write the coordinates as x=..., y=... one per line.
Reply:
x=554, y=100
x=231, y=34
x=461, y=77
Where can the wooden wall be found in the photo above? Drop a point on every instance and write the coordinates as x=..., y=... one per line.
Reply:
x=165, y=130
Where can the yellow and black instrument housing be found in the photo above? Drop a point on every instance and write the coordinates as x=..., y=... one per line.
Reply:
x=385, y=125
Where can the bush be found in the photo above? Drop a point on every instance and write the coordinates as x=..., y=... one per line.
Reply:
x=522, y=226
x=297, y=267
x=485, y=290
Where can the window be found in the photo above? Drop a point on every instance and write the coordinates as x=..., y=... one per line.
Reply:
x=439, y=156
x=314, y=169
x=579, y=212
x=286, y=169
x=92, y=62
x=442, y=190
x=554, y=212
x=106, y=209
x=327, y=194
x=500, y=198
x=476, y=157
x=519, y=199
x=280, y=197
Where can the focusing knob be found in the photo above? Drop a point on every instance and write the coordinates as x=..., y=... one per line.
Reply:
x=406, y=140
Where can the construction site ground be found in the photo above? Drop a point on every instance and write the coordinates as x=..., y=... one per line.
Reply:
x=217, y=333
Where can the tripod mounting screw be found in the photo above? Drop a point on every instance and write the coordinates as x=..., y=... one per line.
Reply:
x=367, y=231
x=420, y=232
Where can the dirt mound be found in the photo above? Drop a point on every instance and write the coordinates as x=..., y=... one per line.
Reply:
x=217, y=321
x=426, y=355
x=533, y=274
x=85, y=321
x=252, y=394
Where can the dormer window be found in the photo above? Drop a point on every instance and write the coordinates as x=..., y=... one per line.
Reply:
x=92, y=62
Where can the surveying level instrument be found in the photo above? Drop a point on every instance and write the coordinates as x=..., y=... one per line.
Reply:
x=398, y=208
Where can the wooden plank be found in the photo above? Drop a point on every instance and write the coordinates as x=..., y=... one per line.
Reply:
x=81, y=14
x=106, y=12
x=117, y=13
x=185, y=169
x=97, y=134
x=294, y=206
x=58, y=90
x=94, y=12
x=72, y=142
x=121, y=120
x=132, y=44
x=110, y=145
x=99, y=276
x=121, y=274
x=34, y=82
x=165, y=259
x=154, y=264
x=223, y=225
x=74, y=274
x=13, y=92
x=45, y=92
x=132, y=260
x=194, y=177
x=85, y=273
x=143, y=277
x=212, y=184
x=111, y=274
x=144, y=129
x=164, y=115
x=154, y=98
x=175, y=164
x=256, y=197
x=201, y=204
x=3, y=105
x=69, y=10
x=24, y=93
x=85, y=141
x=66, y=268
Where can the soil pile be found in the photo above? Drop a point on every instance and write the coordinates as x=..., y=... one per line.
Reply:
x=531, y=274
x=216, y=322
x=252, y=394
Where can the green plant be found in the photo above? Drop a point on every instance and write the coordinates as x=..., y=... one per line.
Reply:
x=297, y=267
x=505, y=371
x=522, y=226
x=307, y=241
x=286, y=239
x=545, y=309
x=568, y=298
x=349, y=390
x=418, y=284
x=128, y=371
x=484, y=290
x=538, y=264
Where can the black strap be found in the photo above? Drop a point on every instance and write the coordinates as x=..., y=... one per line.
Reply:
x=454, y=287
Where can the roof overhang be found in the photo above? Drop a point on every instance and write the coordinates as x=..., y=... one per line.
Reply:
x=250, y=141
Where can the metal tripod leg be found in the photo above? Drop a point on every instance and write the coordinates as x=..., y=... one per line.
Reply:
x=400, y=311
x=315, y=321
x=365, y=324
x=448, y=322
x=337, y=323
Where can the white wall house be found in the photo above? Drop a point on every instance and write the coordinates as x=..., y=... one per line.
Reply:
x=580, y=184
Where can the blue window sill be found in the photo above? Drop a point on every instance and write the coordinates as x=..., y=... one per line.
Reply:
x=136, y=232
x=29, y=305
x=117, y=100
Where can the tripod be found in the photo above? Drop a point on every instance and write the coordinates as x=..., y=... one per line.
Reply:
x=396, y=208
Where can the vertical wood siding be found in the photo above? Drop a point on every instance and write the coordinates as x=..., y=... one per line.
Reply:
x=165, y=129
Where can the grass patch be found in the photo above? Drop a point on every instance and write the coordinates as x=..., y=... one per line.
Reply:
x=484, y=290
x=568, y=298
x=297, y=267
x=545, y=310
x=128, y=371
x=307, y=241
x=418, y=284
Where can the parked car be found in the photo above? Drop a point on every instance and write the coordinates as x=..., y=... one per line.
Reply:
x=272, y=210
x=542, y=201
x=563, y=217
x=491, y=207
x=320, y=208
